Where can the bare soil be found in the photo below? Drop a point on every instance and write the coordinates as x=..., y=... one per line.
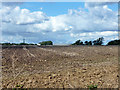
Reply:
x=60, y=66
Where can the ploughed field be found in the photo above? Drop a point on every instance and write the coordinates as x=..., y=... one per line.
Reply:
x=59, y=66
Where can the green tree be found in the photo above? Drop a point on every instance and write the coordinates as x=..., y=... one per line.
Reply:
x=78, y=42
x=99, y=41
x=46, y=43
x=114, y=42
x=23, y=44
x=88, y=42
x=6, y=43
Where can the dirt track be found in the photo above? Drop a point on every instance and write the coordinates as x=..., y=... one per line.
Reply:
x=60, y=67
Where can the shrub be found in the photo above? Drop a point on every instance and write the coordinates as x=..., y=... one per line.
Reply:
x=114, y=42
x=46, y=43
x=92, y=87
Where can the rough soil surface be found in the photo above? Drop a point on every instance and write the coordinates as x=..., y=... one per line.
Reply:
x=60, y=67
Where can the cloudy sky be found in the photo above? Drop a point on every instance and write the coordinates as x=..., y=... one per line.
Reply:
x=60, y=22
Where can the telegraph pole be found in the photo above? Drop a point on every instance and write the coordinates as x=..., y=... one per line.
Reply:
x=23, y=40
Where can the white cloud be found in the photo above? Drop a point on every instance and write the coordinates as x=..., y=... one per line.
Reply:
x=98, y=21
x=95, y=34
x=82, y=21
x=22, y=16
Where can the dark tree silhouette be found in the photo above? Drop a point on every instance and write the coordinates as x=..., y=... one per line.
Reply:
x=78, y=42
x=88, y=42
x=114, y=42
x=99, y=41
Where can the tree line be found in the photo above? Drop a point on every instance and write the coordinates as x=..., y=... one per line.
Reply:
x=98, y=41
x=17, y=44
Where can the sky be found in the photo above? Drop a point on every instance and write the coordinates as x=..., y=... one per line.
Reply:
x=60, y=22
